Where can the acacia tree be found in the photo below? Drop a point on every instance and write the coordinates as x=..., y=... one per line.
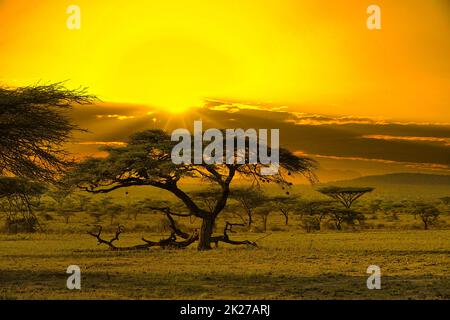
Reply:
x=349, y=216
x=33, y=128
x=285, y=205
x=67, y=209
x=375, y=206
x=264, y=212
x=345, y=195
x=16, y=201
x=445, y=200
x=146, y=161
x=313, y=212
x=249, y=199
x=427, y=212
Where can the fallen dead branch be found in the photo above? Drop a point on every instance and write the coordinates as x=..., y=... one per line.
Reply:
x=171, y=241
x=225, y=238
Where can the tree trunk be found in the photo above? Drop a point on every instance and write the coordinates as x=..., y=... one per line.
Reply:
x=286, y=218
x=264, y=223
x=204, y=242
x=250, y=220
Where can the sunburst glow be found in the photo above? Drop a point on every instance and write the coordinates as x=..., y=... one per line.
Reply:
x=314, y=56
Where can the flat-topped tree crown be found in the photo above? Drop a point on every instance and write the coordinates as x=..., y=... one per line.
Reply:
x=146, y=161
x=345, y=195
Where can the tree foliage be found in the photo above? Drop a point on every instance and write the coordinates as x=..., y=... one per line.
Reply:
x=16, y=201
x=345, y=195
x=249, y=198
x=33, y=128
x=146, y=161
x=427, y=212
x=285, y=205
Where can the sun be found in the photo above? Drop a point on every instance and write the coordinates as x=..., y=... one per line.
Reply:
x=178, y=104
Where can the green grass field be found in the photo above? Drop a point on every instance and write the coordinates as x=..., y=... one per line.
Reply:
x=288, y=265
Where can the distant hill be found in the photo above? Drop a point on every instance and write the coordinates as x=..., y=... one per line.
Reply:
x=399, y=178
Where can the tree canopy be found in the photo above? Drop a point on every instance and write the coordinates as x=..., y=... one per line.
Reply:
x=345, y=195
x=146, y=161
x=16, y=200
x=33, y=127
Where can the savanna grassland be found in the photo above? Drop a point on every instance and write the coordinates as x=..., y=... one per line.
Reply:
x=289, y=263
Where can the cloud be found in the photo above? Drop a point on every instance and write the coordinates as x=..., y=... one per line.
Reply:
x=299, y=118
x=445, y=141
x=341, y=143
x=414, y=165
x=103, y=143
x=115, y=116
x=231, y=106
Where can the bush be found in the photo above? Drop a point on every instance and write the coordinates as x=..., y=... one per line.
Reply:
x=310, y=223
x=21, y=225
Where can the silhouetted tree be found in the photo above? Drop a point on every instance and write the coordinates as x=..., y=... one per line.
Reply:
x=445, y=200
x=249, y=199
x=33, y=128
x=264, y=212
x=67, y=209
x=146, y=161
x=93, y=209
x=345, y=195
x=114, y=211
x=313, y=212
x=285, y=204
x=349, y=216
x=83, y=201
x=375, y=205
x=16, y=201
x=427, y=212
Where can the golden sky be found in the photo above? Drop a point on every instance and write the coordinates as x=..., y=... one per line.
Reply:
x=313, y=56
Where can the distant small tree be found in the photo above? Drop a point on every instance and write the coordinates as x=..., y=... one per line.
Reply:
x=264, y=212
x=249, y=199
x=445, y=200
x=109, y=208
x=427, y=212
x=83, y=201
x=393, y=209
x=375, y=205
x=310, y=223
x=233, y=210
x=67, y=209
x=114, y=211
x=59, y=194
x=16, y=201
x=94, y=210
x=340, y=215
x=313, y=212
x=345, y=195
x=285, y=205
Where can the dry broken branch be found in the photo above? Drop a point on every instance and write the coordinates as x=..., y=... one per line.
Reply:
x=171, y=241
